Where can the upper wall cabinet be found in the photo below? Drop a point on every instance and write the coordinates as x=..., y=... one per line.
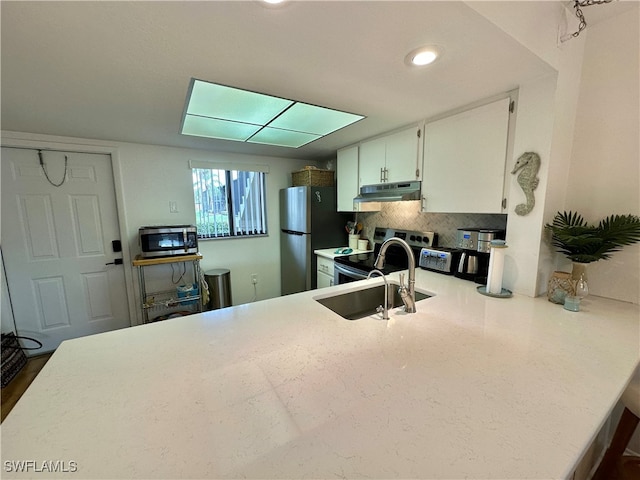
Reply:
x=465, y=160
x=392, y=158
x=347, y=178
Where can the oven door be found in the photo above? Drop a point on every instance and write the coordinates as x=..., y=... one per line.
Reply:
x=344, y=274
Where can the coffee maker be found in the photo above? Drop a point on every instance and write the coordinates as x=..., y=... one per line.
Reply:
x=475, y=244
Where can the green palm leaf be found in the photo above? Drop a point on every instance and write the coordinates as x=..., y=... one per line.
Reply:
x=582, y=242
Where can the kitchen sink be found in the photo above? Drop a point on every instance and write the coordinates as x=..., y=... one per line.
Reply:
x=362, y=303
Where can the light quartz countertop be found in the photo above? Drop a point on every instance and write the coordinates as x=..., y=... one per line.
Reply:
x=330, y=253
x=469, y=387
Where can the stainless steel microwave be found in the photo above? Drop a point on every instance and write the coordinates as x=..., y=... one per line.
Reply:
x=168, y=240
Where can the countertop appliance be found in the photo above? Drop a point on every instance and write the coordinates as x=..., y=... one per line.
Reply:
x=357, y=267
x=485, y=236
x=474, y=260
x=440, y=259
x=167, y=240
x=308, y=221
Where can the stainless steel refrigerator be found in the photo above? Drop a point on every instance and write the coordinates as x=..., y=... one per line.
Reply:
x=308, y=221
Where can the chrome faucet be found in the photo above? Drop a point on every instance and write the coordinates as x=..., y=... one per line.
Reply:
x=409, y=298
x=384, y=308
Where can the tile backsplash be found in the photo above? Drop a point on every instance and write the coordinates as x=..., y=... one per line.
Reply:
x=407, y=216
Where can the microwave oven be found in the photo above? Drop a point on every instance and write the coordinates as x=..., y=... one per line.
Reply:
x=168, y=240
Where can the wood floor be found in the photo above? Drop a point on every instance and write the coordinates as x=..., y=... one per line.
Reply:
x=12, y=392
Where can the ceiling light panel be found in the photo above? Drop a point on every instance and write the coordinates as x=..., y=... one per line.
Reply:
x=226, y=103
x=283, y=138
x=303, y=117
x=214, y=128
x=218, y=111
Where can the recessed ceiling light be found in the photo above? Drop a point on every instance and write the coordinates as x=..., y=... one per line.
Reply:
x=218, y=111
x=422, y=56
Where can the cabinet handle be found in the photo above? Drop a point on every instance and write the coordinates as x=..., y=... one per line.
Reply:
x=381, y=174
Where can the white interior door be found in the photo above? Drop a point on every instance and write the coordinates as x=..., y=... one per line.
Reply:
x=57, y=245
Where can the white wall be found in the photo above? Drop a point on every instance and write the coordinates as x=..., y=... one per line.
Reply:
x=534, y=127
x=152, y=176
x=148, y=177
x=593, y=163
x=604, y=176
x=534, y=24
x=545, y=125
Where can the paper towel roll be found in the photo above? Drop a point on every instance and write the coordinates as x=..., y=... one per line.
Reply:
x=496, y=267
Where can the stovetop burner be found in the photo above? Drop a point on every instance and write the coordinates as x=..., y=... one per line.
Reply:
x=395, y=257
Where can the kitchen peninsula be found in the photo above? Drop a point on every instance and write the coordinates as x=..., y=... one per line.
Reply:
x=469, y=387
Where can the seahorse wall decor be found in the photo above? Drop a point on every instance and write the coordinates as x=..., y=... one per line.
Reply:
x=528, y=164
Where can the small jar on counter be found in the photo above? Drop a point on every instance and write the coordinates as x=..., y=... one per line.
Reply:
x=560, y=285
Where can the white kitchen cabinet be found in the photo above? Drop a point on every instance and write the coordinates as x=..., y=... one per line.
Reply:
x=372, y=161
x=465, y=161
x=396, y=157
x=324, y=280
x=347, y=178
x=324, y=272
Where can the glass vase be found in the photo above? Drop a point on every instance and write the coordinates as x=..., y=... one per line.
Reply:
x=560, y=285
x=579, y=279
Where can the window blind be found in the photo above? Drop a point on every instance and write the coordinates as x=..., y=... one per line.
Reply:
x=229, y=203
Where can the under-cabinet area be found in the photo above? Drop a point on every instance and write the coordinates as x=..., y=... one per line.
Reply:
x=184, y=298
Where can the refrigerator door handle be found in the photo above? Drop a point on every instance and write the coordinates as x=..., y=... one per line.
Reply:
x=291, y=232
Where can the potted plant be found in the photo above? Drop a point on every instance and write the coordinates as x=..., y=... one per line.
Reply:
x=583, y=243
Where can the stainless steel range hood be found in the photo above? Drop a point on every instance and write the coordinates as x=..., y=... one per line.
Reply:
x=389, y=192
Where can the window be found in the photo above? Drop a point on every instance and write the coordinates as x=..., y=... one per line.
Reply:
x=229, y=203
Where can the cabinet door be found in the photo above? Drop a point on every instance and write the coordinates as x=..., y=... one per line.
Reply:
x=347, y=178
x=402, y=155
x=372, y=161
x=464, y=160
x=325, y=265
x=324, y=280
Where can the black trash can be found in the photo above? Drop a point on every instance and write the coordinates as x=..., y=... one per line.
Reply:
x=219, y=282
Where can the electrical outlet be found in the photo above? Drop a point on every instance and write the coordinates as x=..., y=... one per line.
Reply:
x=173, y=207
x=254, y=278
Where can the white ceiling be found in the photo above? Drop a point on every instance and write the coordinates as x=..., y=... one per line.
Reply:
x=120, y=70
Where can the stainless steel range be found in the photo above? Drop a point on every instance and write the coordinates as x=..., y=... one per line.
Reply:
x=357, y=267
